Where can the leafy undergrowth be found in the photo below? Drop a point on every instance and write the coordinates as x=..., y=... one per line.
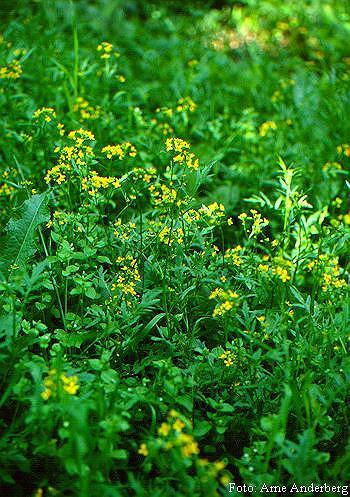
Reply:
x=174, y=254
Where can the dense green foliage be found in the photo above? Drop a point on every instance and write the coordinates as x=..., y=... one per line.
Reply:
x=174, y=248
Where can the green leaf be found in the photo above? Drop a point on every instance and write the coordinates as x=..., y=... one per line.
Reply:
x=19, y=242
x=140, y=335
x=202, y=428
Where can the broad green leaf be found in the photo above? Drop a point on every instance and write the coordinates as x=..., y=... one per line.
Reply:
x=19, y=242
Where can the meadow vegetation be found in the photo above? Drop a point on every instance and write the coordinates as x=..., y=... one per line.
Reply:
x=174, y=247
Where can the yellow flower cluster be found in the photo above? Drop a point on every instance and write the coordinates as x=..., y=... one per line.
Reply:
x=123, y=231
x=173, y=430
x=331, y=280
x=176, y=145
x=282, y=268
x=228, y=357
x=128, y=277
x=276, y=96
x=80, y=136
x=86, y=111
x=163, y=195
x=165, y=128
x=266, y=127
x=143, y=450
x=344, y=149
x=70, y=384
x=345, y=218
x=45, y=113
x=212, y=213
x=193, y=63
x=186, y=104
x=93, y=183
x=53, y=382
x=189, y=446
x=282, y=273
x=173, y=436
x=57, y=174
x=60, y=128
x=183, y=156
x=264, y=267
x=232, y=256
x=168, y=236
x=331, y=166
x=279, y=266
x=12, y=71
x=192, y=216
x=105, y=49
x=255, y=220
x=329, y=266
x=145, y=175
x=227, y=300
x=188, y=159
x=59, y=217
x=166, y=111
x=79, y=152
x=5, y=188
x=121, y=150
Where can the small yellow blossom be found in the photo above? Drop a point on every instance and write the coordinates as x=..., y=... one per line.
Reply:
x=143, y=450
x=106, y=49
x=178, y=425
x=12, y=71
x=186, y=104
x=227, y=301
x=122, y=150
x=164, y=429
x=266, y=127
x=70, y=384
x=45, y=113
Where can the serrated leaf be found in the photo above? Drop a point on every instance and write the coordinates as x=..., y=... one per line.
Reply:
x=19, y=244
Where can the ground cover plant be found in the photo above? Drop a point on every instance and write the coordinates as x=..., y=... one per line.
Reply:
x=174, y=246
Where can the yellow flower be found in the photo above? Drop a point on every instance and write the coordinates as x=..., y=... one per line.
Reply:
x=178, y=425
x=225, y=480
x=186, y=104
x=282, y=273
x=121, y=150
x=46, y=113
x=46, y=394
x=164, y=429
x=227, y=300
x=105, y=48
x=232, y=256
x=70, y=384
x=189, y=446
x=228, y=358
x=12, y=71
x=86, y=110
x=176, y=144
x=346, y=218
x=143, y=450
x=219, y=465
x=266, y=127
x=263, y=267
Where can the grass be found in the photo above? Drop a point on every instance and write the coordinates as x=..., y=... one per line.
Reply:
x=174, y=251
